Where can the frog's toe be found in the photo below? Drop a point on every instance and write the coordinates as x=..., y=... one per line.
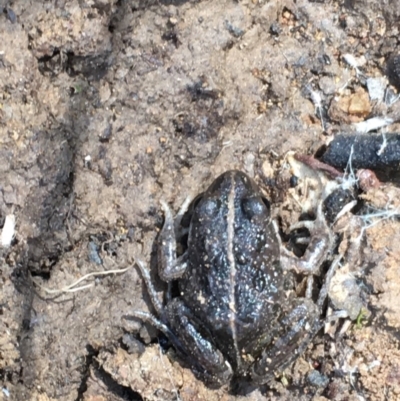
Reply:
x=212, y=379
x=315, y=227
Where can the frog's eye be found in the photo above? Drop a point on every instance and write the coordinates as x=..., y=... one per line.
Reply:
x=210, y=207
x=254, y=206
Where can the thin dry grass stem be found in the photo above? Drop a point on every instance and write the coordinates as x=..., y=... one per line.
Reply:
x=350, y=179
x=379, y=216
x=178, y=398
x=70, y=288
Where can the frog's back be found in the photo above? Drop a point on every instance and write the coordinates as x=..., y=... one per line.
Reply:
x=234, y=278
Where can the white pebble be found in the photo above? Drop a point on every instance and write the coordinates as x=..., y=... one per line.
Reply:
x=8, y=232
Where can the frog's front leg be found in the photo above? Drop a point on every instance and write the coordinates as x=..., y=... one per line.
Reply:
x=320, y=246
x=293, y=334
x=194, y=342
x=169, y=266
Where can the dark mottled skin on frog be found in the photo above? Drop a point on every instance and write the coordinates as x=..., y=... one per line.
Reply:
x=233, y=317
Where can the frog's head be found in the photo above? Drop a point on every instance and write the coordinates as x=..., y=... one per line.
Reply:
x=235, y=191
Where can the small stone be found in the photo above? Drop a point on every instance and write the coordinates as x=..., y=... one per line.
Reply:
x=104, y=92
x=93, y=253
x=267, y=169
x=350, y=108
x=317, y=379
x=133, y=344
x=376, y=88
x=106, y=134
x=359, y=104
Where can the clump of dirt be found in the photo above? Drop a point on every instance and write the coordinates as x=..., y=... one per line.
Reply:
x=107, y=107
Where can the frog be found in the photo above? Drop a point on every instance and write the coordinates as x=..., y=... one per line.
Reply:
x=234, y=316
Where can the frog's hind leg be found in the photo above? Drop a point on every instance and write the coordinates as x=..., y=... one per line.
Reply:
x=154, y=321
x=160, y=322
x=193, y=341
x=150, y=288
x=294, y=333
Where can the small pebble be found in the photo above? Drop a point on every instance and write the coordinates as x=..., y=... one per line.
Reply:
x=133, y=345
x=275, y=29
x=317, y=379
x=93, y=253
x=106, y=134
x=376, y=88
x=10, y=15
x=8, y=232
x=234, y=30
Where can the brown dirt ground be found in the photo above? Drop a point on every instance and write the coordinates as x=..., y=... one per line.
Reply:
x=108, y=106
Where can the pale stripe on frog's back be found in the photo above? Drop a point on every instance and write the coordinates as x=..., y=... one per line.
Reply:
x=232, y=267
